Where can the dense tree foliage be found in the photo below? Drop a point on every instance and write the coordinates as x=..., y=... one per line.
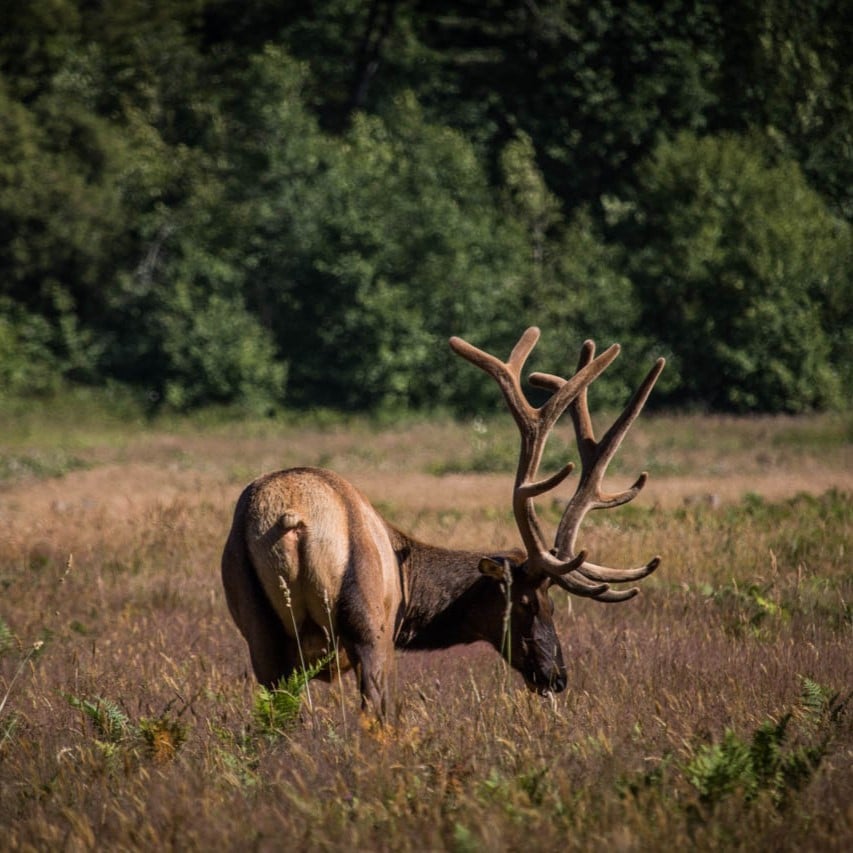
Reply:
x=265, y=202
x=735, y=283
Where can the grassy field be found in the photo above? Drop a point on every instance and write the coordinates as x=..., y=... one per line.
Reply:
x=711, y=712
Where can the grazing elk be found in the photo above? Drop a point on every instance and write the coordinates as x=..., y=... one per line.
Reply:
x=309, y=558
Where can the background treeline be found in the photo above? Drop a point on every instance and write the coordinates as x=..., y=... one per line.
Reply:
x=263, y=202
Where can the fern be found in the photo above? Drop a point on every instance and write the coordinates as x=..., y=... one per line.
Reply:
x=277, y=709
x=765, y=763
x=717, y=770
x=110, y=722
x=766, y=756
x=163, y=736
x=7, y=638
x=118, y=735
x=816, y=699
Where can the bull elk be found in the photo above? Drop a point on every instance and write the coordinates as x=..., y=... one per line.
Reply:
x=350, y=574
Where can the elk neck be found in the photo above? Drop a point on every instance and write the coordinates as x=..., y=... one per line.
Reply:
x=447, y=600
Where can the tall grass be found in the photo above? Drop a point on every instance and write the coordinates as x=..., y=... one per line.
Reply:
x=711, y=712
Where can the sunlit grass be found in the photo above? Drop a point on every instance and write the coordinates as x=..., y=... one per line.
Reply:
x=708, y=713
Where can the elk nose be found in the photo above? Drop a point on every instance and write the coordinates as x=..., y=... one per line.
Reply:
x=558, y=683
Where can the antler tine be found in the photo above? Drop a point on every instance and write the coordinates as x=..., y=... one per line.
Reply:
x=595, y=457
x=507, y=375
x=608, y=595
x=535, y=425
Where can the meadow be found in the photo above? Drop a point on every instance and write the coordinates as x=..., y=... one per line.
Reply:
x=712, y=712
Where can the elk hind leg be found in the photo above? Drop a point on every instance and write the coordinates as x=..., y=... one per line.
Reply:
x=373, y=679
x=371, y=650
x=273, y=653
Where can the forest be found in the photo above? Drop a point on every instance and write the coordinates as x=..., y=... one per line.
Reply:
x=267, y=204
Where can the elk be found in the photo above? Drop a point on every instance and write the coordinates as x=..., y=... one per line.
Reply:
x=349, y=574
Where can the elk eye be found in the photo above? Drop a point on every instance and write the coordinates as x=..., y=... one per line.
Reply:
x=525, y=600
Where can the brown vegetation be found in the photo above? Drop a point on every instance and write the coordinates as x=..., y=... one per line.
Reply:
x=127, y=714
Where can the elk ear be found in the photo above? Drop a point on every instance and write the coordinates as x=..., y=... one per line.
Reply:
x=495, y=567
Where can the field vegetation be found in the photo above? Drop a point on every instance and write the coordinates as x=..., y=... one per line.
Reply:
x=283, y=210
x=714, y=711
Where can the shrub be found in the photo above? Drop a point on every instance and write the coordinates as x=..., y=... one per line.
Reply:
x=214, y=351
x=27, y=364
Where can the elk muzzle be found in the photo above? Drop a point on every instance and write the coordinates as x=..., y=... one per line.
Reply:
x=541, y=662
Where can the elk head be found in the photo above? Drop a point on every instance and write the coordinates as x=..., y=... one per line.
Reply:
x=527, y=637
x=531, y=644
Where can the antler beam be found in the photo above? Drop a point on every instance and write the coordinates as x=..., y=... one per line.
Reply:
x=595, y=457
x=565, y=567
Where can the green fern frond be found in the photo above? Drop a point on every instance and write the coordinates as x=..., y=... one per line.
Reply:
x=767, y=763
x=815, y=699
x=718, y=769
x=7, y=638
x=277, y=708
x=109, y=721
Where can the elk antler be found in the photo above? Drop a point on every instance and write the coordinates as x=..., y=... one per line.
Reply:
x=565, y=568
x=534, y=426
x=595, y=457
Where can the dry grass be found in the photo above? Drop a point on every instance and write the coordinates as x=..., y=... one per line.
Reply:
x=127, y=719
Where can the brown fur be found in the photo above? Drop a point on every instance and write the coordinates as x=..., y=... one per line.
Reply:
x=351, y=575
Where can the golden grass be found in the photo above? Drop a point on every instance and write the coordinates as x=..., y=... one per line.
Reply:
x=113, y=568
